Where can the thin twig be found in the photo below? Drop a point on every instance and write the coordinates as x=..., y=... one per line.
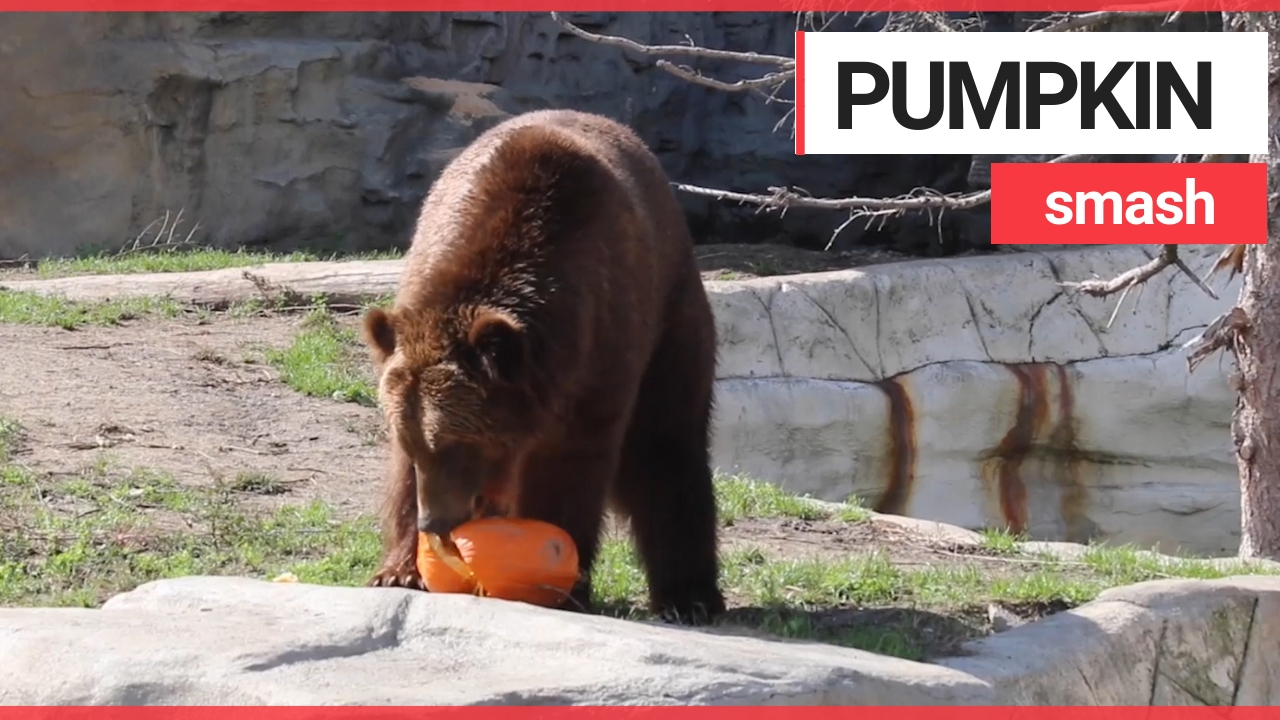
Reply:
x=163, y=238
x=786, y=198
x=1088, y=21
x=1182, y=265
x=686, y=50
x=1136, y=276
x=688, y=74
x=251, y=451
x=304, y=469
x=917, y=200
x=1225, y=332
x=1168, y=257
x=928, y=22
x=1111, y=321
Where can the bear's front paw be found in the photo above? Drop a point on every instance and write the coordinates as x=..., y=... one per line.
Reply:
x=398, y=577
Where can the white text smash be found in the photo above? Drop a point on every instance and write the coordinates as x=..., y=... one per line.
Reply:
x=1136, y=209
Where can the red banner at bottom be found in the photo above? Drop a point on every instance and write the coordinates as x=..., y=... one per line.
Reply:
x=1128, y=203
x=638, y=713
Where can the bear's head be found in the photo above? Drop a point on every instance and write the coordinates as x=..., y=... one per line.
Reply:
x=454, y=389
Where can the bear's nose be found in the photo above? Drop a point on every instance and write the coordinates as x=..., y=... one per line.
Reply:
x=439, y=526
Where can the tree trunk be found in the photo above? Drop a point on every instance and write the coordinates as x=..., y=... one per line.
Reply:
x=1256, y=426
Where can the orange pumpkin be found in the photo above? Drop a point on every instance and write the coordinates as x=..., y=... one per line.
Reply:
x=508, y=558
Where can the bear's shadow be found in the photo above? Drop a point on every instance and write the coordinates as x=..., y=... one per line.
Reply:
x=909, y=633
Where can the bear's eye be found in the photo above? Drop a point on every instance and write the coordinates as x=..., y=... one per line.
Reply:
x=469, y=361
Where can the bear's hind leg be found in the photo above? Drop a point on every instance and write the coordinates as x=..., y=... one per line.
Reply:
x=667, y=491
x=665, y=481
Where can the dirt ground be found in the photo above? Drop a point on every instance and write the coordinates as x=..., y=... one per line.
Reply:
x=188, y=397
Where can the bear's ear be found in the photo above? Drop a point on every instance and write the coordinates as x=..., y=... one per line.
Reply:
x=498, y=340
x=379, y=333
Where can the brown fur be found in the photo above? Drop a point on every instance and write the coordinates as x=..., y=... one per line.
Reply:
x=551, y=352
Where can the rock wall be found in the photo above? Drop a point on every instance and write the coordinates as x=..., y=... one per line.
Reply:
x=324, y=130
x=977, y=392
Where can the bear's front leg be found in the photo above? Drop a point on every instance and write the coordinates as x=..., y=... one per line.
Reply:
x=400, y=526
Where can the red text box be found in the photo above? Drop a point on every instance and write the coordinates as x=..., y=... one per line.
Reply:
x=1128, y=203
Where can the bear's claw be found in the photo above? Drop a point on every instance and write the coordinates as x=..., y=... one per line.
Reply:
x=398, y=577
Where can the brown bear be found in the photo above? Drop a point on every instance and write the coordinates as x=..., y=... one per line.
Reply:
x=551, y=353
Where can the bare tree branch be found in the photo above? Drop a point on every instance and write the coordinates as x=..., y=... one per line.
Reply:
x=921, y=199
x=164, y=237
x=1168, y=257
x=771, y=80
x=927, y=22
x=1225, y=332
x=784, y=198
x=1066, y=22
x=766, y=85
x=687, y=50
x=1232, y=260
x=811, y=20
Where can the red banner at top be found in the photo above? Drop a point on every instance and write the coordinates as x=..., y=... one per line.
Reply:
x=633, y=5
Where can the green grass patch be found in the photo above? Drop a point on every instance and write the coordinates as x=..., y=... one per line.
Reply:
x=1000, y=541
x=325, y=360
x=740, y=497
x=10, y=436
x=26, y=308
x=183, y=260
x=257, y=483
x=98, y=534
x=1126, y=564
x=81, y=539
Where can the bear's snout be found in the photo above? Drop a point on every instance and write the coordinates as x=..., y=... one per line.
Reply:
x=438, y=525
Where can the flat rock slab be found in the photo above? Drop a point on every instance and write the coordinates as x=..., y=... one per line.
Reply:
x=205, y=641
x=340, y=282
x=219, y=641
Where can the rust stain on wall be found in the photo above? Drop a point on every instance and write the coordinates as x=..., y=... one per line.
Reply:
x=1002, y=466
x=1049, y=437
x=901, y=449
x=1068, y=473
